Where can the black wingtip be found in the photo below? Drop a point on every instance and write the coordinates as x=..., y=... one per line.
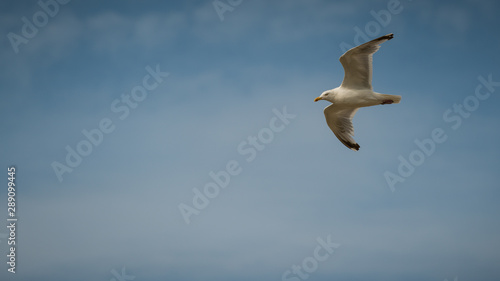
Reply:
x=388, y=36
x=352, y=146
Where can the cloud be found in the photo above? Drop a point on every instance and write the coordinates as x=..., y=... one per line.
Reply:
x=111, y=31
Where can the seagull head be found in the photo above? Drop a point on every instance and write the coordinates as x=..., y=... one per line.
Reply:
x=327, y=95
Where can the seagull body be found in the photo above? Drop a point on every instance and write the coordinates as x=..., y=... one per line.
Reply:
x=355, y=91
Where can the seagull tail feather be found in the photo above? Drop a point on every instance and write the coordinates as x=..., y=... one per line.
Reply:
x=389, y=98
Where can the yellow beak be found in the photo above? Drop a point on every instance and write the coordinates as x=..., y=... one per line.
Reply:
x=317, y=99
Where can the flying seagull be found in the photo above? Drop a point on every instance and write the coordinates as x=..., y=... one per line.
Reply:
x=355, y=91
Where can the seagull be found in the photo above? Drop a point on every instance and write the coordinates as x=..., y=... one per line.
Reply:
x=355, y=91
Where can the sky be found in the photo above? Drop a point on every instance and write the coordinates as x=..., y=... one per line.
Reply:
x=169, y=140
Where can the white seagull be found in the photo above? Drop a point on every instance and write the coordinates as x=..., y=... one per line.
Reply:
x=355, y=91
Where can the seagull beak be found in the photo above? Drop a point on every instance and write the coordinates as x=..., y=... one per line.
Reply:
x=317, y=99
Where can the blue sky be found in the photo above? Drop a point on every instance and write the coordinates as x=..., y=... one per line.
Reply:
x=229, y=72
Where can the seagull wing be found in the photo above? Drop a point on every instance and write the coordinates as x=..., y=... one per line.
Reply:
x=340, y=122
x=357, y=63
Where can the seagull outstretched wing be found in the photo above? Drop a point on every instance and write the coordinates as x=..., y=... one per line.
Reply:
x=357, y=63
x=340, y=122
